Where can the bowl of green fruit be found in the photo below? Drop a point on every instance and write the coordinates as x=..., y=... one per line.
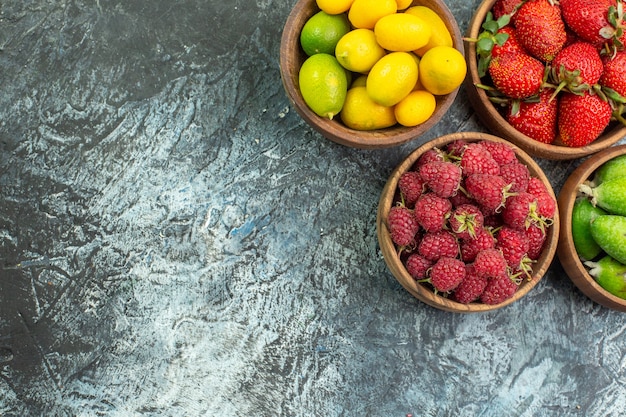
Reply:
x=592, y=243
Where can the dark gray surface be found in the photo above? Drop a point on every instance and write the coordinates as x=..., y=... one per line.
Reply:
x=176, y=241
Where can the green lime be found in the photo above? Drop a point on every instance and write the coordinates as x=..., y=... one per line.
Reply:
x=322, y=31
x=323, y=84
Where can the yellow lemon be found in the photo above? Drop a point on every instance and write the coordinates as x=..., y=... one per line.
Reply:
x=334, y=6
x=365, y=13
x=442, y=69
x=322, y=31
x=361, y=113
x=415, y=108
x=323, y=84
x=403, y=4
x=402, y=32
x=392, y=78
x=359, y=81
x=358, y=50
x=439, y=35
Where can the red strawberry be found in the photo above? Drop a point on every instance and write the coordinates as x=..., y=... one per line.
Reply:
x=590, y=20
x=614, y=76
x=536, y=119
x=437, y=244
x=403, y=226
x=582, y=118
x=514, y=246
x=498, y=290
x=540, y=29
x=447, y=273
x=577, y=67
x=490, y=263
x=521, y=211
x=471, y=247
x=477, y=159
x=511, y=45
x=502, y=7
x=432, y=211
x=516, y=75
x=536, y=239
x=411, y=186
x=470, y=288
x=416, y=265
x=503, y=153
x=442, y=178
x=490, y=191
x=517, y=175
x=465, y=220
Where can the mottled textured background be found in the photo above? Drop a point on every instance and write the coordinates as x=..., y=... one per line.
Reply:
x=176, y=241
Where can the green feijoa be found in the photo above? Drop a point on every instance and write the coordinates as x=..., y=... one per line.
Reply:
x=610, y=195
x=609, y=231
x=611, y=169
x=582, y=215
x=610, y=275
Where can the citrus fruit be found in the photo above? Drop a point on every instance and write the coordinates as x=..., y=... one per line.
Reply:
x=361, y=113
x=403, y=4
x=322, y=31
x=415, y=108
x=439, y=33
x=365, y=13
x=359, y=81
x=402, y=32
x=334, y=6
x=323, y=84
x=358, y=50
x=442, y=69
x=392, y=78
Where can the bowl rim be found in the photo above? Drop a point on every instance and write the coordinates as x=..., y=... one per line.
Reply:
x=566, y=251
x=496, y=123
x=335, y=130
x=421, y=292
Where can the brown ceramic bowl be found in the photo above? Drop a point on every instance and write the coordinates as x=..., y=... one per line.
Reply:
x=292, y=56
x=566, y=250
x=497, y=124
x=422, y=291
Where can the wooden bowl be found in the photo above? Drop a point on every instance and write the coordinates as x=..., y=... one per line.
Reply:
x=292, y=56
x=425, y=293
x=566, y=251
x=497, y=124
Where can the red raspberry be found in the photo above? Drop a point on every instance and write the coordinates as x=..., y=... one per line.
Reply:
x=516, y=174
x=536, y=238
x=465, y=220
x=442, y=178
x=471, y=247
x=437, y=244
x=470, y=288
x=416, y=265
x=501, y=152
x=493, y=221
x=461, y=198
x=447, y=273
x=411, y=186
x=403, y=226
x=490, y=263
x=536, y=186
x=546, y=206
x=521, y=211
x=514, y=246
x=455, y=149
x=431, y=155
x=432, y=211
x=477, y=160
x=490, y=191
x=498, y=290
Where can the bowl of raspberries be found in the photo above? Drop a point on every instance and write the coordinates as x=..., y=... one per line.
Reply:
x=468, y=222
x=549, y=76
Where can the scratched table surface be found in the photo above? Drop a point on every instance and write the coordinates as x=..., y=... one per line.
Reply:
x=176, y=241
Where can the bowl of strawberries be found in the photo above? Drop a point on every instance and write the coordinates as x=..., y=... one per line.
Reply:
x=468, y=222
x=549, y=76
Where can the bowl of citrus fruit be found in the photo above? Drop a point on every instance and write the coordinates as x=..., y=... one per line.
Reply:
x=592, y=245
x=371, y=73
x=549, y=78
x=468, y=223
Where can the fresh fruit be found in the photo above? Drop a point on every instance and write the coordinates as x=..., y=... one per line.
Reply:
x=611, y=169
x=502, y=7
x=439, y=34
x=498, y=290
x=417, y=266
x=609, y=195
x=360, y=112
x=582, y=118
x=521, y=211
x=392, y=78
x=517, y=76
x=411, y=185
x=609, y=232
x=358, y=50
x=502, y=153
x=471, y=247
x=583, y=213
x=323, y=84
x=447, y=273
x=466, y=220
x=614, y=76
x=577, y=67
x=434, y=245
x=432, y=211
x=589, y=19
x=514, y=246
x=536, y=239
x=334, y=6
x=476, y=159
x=510, y=45
x=402, y=32
x=536, y=119
x=470, y=288
x=416, y=108
x=365, y=13
x=322, y=31
x=442, y=70
x=540, y=29
x=403, y=4
x=441, y=177
x=490, y=263
x=610, y=275
x=402, y=226
x=490, y=191
x=516, y=174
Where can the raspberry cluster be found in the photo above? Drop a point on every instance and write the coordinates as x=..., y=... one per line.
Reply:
x=469, y=220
